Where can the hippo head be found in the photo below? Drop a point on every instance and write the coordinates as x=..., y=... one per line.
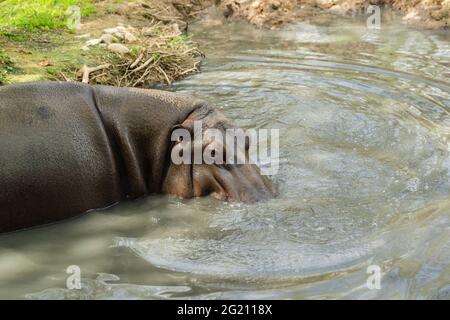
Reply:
x=200, y=163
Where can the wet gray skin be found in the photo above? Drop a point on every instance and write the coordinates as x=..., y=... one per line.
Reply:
x=364, y=180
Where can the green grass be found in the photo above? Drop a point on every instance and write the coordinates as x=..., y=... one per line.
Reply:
x=39, y=14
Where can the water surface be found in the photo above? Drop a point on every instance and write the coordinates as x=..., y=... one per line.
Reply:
x=364, y=119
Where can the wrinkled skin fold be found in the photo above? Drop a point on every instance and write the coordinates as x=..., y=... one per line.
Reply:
x=67, y=148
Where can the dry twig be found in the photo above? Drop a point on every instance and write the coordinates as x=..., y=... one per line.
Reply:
x=85, y=71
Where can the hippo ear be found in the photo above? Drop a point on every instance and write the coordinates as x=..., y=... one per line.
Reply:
x=196, y=115
x=209, y=117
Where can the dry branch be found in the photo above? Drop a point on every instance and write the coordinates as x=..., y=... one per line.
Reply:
x=85, y=71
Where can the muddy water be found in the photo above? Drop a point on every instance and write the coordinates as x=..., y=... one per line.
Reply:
x=364, y=120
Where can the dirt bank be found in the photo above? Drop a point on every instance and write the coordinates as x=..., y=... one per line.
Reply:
x=433, y=14
x=146, y=42
x=124, y=43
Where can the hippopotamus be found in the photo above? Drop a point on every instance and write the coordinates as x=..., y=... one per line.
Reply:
x=67, y=148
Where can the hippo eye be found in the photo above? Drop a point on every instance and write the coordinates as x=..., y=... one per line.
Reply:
x=180, y=139
x=213, y=153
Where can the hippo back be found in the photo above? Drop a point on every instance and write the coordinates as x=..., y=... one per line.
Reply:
x=55, y=158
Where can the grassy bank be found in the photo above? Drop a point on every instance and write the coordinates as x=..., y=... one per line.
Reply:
x=39, y=14
x=35, y=34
